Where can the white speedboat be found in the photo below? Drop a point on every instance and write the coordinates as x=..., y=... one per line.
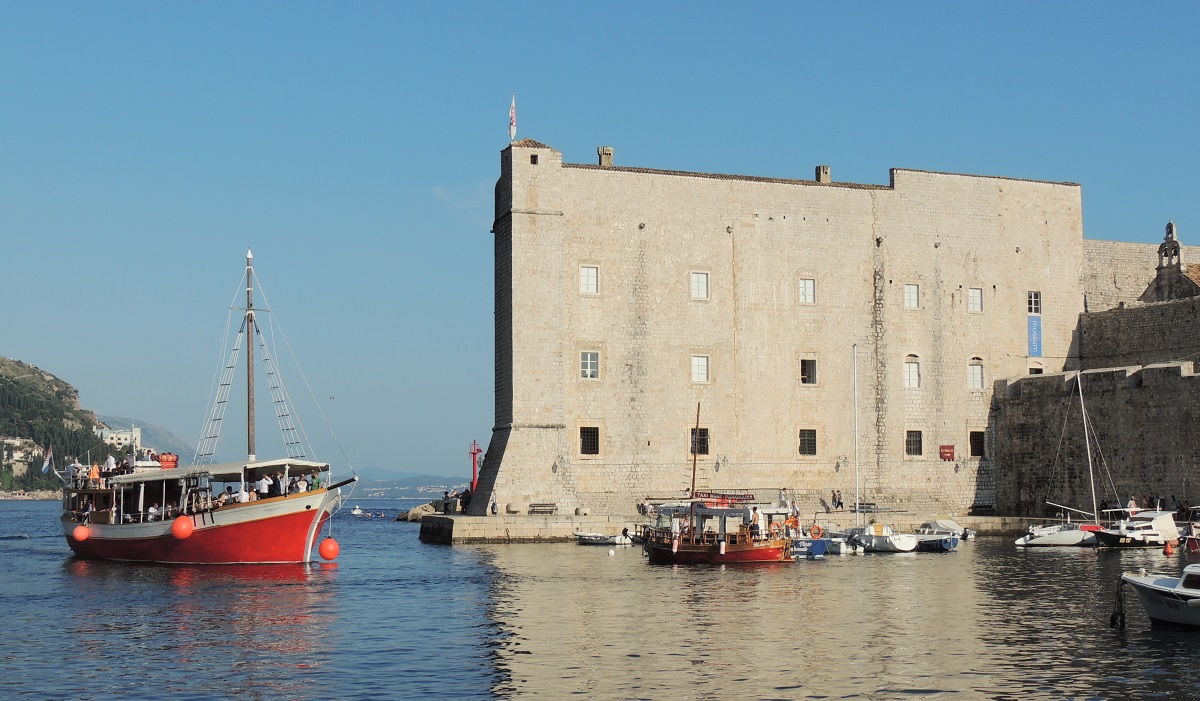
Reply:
x=1059, y=534
x=1144, y=529
x=356, y=511
x=1166, y=600
x=603, y=539
x=880, y=538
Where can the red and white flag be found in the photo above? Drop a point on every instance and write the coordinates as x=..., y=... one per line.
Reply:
x=512, y=119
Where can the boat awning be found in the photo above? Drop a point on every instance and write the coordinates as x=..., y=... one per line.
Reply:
x=227, y=472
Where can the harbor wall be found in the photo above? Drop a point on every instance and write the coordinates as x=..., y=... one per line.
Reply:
x=464, y=530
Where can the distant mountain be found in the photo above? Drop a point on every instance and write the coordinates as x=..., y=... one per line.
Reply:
x=405, y=486
x=162, y=440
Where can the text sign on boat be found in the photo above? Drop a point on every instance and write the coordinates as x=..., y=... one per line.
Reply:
x=946, y=452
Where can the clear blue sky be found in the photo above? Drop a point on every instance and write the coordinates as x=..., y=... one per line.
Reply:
x=354, y=146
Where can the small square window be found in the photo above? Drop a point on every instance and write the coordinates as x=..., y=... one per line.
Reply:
x=977, y=444
x=589, y=279
x=589, y=440
x=912, y=296
x=699, y=368
x=808, y=291
x=808, y=371
x=1035, y=302
x=912, y=443
x=808, y=441
x=589, y=365
x=699, y=285
x=533, y=159
x=975, y=299
x=699, y=441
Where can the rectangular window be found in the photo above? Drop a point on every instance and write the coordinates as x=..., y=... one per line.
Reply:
x=912, y=296
x=589, y=440
x=977, y=444
x=808, y=291
x=589, y=365
x=699, y=368
x=912, y=443
x=699, y=285
x=808, y=441
x=808, y=371
x=912, y=374
x=1035, y=302
x=589, y=280
x=975, y=299
x=975, y=376
x=699, y=441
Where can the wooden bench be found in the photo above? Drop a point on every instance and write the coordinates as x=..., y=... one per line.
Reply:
x=544, y=509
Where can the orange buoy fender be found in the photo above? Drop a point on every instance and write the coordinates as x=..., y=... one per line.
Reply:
x=182, y=527
x=1168, y=550
x=816, y=532
x=329, y=549
x=81, y=533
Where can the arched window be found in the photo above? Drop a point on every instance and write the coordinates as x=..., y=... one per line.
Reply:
x=975, y=373
x=912, y=372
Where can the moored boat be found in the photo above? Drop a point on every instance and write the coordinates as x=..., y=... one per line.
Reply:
x=1144, y=529
x=938, y=536
x=622, y=538
x=880, y=538
x=1166, y=600
x=711, y=535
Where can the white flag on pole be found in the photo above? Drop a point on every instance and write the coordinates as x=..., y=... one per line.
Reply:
x=512, y=119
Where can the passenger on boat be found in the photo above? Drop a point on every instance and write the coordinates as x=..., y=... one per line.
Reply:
x=94, y=475
x=243, y=496
x=152, y=512
x=755, y=523
x=263, y=486
x=110, y=463
x=302, y=484
x=276, y=487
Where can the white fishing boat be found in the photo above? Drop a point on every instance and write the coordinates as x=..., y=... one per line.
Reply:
x=621, y=538
x=880, y=538
x=208, y=513
x=938, y=536
x=1166, y=600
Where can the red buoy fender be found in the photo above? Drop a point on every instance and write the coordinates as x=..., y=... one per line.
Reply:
x=329, y=549
x=80, y=533
x=182, y=527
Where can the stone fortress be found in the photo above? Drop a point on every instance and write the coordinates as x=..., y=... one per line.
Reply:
x=922, y=336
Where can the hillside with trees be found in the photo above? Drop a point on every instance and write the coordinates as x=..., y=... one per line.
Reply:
x=40, y=408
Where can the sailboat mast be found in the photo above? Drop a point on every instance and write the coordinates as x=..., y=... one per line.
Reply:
x=1087, y=442
x=249, y=355
x=857, y=511
x=695, y=450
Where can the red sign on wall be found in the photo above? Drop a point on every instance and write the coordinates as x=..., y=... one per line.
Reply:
x=946, y=452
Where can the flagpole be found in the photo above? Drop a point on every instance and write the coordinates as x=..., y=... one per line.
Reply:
x=512, y=119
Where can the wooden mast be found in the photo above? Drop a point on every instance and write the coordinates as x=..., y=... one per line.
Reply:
x=692, y=492
x=249, y=355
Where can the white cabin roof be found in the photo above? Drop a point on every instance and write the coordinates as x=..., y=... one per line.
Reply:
x=230, y=471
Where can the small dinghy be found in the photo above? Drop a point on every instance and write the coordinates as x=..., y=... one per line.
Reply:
x=603, y=539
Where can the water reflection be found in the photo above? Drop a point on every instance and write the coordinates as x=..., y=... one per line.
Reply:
x=986, y=622
x=244, y=629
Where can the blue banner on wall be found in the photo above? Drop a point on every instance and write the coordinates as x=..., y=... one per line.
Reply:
x=1035, y=336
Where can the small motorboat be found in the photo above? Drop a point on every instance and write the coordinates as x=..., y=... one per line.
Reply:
x=1166, y=600
x=938, y=536
x=1144, y=529
x=356, y=511
x=622, y=538
x=880, y=538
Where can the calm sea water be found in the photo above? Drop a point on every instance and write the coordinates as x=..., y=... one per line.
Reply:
x=396, y=619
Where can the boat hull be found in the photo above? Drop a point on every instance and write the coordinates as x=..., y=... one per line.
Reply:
x=1057, y=536
x=1164, y=604
x=937, y=544
x=809, y=548
x=760, y=551
x=1111, y=539
x=280, y=530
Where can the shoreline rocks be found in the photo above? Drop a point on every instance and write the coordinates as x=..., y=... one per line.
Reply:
x=37, y=494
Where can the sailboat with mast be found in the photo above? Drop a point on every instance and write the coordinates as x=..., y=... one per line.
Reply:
x=208, y=513
x=1070, y=533
x=710, y=528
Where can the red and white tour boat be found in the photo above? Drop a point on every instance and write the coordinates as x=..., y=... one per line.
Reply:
x=152, y=511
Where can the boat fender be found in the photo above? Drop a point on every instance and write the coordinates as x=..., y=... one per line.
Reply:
x=329, y=549
x=80, y=533
x=817, y=532
x=723, y=551
x=675, y=545
x=182, y=527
